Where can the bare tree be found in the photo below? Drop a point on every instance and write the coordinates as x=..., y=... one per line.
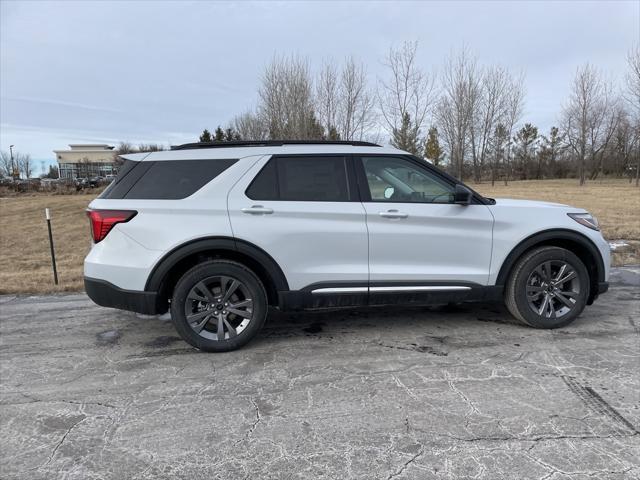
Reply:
x=327, y=99
x=602, y=131
x=150, y=147
x=123, y=148
x=25, y=165
x=632, y=95
x=250, y=126
x=408, y=92
x=286, y=100
x=454, y=113
x=590, y=116
x=490, y=110
x=618, y=159
x=355, y=112
x=6, y=169
x=515, y=106
x=633, y=78
x=344, y=102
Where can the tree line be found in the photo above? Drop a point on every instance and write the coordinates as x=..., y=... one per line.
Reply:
x=469, y=118
x=16, y=165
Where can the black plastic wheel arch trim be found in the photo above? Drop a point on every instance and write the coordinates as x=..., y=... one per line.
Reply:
x=554, y=234
x=166, y=263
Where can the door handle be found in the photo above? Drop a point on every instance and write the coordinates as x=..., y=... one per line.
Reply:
x=257, y=210
x=393, y=214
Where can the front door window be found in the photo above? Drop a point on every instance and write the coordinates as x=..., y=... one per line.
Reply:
x=393, y=179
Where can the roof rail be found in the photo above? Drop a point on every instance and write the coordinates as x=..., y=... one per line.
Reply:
x=269, y=143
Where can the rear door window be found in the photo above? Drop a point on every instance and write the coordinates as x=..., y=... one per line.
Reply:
x=304, y=179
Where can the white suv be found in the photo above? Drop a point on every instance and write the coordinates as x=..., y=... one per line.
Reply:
x=218, y=232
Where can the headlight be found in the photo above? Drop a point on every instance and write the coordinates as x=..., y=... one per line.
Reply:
x=585, y=219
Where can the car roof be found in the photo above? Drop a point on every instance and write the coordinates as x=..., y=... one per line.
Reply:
x=246, y=151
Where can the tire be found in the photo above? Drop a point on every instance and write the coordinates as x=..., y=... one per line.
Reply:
x=547, y=300
x=215, y=295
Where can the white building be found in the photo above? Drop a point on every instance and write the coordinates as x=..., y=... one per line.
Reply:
x=86, y=160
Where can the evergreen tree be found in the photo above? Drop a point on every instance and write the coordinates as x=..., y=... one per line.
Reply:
x=406, y=137
x=315, y=129
x=499, y=147
x=526, y=141
x=206, y=136
x=333, y=134
x=230, y=135
x=432, y=150
x=218, y=135
x=550, y=151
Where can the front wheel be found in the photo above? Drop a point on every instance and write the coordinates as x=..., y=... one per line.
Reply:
x=219, y=306
x=548, y=288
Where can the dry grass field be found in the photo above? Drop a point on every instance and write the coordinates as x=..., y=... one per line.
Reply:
x=616, y=203
x=25, y=263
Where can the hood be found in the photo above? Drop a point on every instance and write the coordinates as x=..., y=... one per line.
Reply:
x=511, y=202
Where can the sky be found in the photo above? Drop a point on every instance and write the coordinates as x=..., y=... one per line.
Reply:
x=161, y=71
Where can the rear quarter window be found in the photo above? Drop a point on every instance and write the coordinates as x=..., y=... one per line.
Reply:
x=165, y=180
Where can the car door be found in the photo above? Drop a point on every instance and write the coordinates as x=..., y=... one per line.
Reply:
x=419, y=240
x=304, y=211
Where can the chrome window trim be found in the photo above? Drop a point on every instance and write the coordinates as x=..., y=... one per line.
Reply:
x=399, y=288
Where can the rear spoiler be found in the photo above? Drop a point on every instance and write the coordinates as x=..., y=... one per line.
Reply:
x=136, y=157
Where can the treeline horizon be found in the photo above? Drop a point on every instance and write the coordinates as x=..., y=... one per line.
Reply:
x=468, y=118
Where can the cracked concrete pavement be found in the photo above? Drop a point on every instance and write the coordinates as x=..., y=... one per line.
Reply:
x=88, y=392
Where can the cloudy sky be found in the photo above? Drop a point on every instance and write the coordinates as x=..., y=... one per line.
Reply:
x=161, y=71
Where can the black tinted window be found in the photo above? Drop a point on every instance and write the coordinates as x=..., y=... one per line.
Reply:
x=265, y=185
x=311, y=179
x=128, y=174
x=166, y=180
x=394, y=179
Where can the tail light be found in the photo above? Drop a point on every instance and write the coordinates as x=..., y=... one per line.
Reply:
x=102, y=221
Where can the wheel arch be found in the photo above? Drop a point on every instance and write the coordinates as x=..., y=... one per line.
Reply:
x=175, y=263
x=573, y=241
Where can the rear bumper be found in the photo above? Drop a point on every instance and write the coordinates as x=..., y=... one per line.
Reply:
x=107, y=294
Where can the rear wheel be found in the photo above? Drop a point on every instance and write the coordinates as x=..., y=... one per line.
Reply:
x=548, y=288
x=219, y=306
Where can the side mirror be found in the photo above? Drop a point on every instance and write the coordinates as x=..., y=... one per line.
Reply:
x=462, y=195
